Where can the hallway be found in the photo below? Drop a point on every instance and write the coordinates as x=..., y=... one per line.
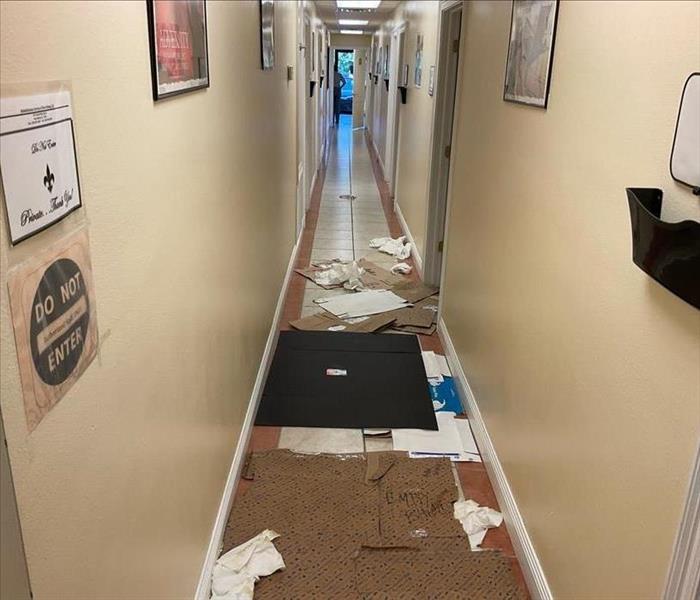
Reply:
x=341, y=228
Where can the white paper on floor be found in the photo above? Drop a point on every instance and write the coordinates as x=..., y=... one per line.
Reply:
x=452, y=440
x=336, y=273
x=432, y=367
x=403, y=268
x=236, y=572
x=396, y=247
x=476, y=520
x=369, y=302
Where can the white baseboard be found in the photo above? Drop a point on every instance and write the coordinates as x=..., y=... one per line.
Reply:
x=203, y=591
x=417, y=259
x=525, y=551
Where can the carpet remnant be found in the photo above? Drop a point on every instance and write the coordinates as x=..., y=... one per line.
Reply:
x=371, y=526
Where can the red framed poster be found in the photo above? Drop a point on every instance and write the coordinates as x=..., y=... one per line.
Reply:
x=178, y=39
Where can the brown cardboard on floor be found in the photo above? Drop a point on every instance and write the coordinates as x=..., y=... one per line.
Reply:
x=325, y=320
x=341, y=518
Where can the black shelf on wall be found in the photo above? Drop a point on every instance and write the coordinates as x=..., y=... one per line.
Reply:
x=668, y=252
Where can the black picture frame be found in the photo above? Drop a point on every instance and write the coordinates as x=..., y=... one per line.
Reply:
x=202, y=61
x=520, y=99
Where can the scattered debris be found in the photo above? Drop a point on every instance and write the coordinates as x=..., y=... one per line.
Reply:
x=236, y=572
x=476, y=520
x=445, y=397
x=403, y=268
x=396, y=247
x=338, y=273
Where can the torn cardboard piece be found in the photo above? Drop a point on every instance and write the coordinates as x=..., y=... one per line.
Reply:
x=438, y=569
x=377, y=278
x=329, y=508
x=326, y=321
x=414, y=291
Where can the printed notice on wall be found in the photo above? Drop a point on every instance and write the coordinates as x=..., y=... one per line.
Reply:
x=53, y=313
x=37, y=162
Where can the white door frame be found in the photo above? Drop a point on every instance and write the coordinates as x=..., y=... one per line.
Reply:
x=683, y=581
x=445, y=108
x=302, y=196
x=393, y=107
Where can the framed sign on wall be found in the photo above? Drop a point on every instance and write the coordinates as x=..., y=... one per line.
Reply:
x=530, y=51
x=177, y=31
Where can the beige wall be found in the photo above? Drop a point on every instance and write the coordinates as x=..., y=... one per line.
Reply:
x=416, y=117
x=380, y=95
x=190, y=204
x=586, y=371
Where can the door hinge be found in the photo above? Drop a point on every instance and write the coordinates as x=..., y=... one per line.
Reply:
x=441, y=245
x=448, y=152
x=455, y=45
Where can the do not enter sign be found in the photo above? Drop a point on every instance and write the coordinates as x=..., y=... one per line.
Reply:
x=53, y=313
x=60, y=319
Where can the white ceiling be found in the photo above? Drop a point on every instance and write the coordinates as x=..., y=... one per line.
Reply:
x=329, y=13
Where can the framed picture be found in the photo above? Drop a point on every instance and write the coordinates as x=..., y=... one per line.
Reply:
x=431, y=81
x=404, y=76
x=177, y=31
x=418, y=75
x=530, y=51
x=386, y=63
x=267, y=34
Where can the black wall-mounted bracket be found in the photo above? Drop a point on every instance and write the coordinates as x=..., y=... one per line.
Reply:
x=386, y=82
x=668, y=252
x=403, y=89
x=312, y=86
x=376, y=79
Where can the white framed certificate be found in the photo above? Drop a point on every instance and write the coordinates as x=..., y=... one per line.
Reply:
x=38, y=162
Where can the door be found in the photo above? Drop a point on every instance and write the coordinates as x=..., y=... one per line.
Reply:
x=359, y=82
x=446, y=88
x=392, y=127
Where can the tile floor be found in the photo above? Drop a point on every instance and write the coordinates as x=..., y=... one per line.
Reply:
x=341, y=228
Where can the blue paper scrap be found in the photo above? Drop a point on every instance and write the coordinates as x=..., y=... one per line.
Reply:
x=445, y=397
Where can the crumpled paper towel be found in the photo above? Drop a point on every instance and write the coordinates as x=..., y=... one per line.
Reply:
x=402, y=267
x=236, y=572
x=476, y=520
x=396, y=247
x=337, y=273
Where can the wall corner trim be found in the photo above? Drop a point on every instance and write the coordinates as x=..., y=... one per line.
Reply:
x=524, y=549
x=203, y=591
x=417, y=259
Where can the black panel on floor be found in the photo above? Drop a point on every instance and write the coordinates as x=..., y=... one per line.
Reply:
x=384, y=384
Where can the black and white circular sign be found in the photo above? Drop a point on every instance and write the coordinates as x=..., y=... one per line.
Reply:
x=59, y=322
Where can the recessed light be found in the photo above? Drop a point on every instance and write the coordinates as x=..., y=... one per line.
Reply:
x=352, y=22
x=352, y=31
x=358, y=4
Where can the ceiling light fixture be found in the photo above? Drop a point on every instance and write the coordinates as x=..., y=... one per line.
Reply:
x=352, y=31
x=352, y=22
x=358, y=4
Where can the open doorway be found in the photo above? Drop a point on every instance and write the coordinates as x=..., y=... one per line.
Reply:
x=443, y=120
x=343, y=83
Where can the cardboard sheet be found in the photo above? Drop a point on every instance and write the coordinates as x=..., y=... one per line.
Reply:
x=326, y=321
x=350, y=525
x=353, y=380
x=413, y=291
